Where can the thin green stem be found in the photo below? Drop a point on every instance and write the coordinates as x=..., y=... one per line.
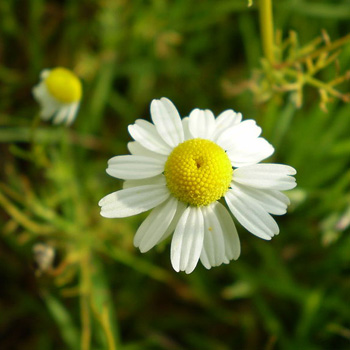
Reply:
x=84, y=302
x=266, y=29
x=314, y=54
x=22, y=219
x=105, y=321
x=320, y=85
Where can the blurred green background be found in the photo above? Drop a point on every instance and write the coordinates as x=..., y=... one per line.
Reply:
x=102, y=293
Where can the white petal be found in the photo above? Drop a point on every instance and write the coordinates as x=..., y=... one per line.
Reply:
x=137, y=150
x=238, y=133
x=266, y=176
x=224, y=121
x=167, y=120
x=272, y=201
x=72, y=113
x=156, y=180
x=132, y=201
x=146, y=134
x=228, y=118
x=60, y=115
x=134, y=167
x=45, y=73
x=251, y=214
x=39, y=92
x=232, y=244
x=48, y=110
x=213, y=252
x=181, y=207
x=154, y=226
x=187, y=133
x=201, y=123
x=250, y=152
x=49, y=105
x=187, y=242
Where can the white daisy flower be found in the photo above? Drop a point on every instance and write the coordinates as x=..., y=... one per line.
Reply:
x=59, y=94
x=182, y=169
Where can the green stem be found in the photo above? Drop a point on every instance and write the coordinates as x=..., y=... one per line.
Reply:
x=22, y=219
x=319, y=84
x=105, y=321
x=266, y=29
x=84, y=302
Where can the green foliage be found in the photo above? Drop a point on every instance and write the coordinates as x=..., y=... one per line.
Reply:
x=100, y=292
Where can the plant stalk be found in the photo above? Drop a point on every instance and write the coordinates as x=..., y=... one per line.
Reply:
x=267, y=29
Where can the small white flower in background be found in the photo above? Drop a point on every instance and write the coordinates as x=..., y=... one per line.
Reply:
x=182, y=168
x=58, y=93
x=44, y=256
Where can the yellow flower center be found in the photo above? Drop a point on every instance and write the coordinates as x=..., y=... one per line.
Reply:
x=64, y=85
x=198, y=172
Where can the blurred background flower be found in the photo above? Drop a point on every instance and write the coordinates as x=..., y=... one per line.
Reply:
x=100, y=292
x=59, y=94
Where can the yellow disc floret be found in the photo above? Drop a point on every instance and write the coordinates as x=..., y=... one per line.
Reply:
x=64, y=85
x=198, y=172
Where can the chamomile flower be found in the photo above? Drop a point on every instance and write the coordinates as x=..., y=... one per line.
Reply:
x=59, y=94
x=183, y=169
